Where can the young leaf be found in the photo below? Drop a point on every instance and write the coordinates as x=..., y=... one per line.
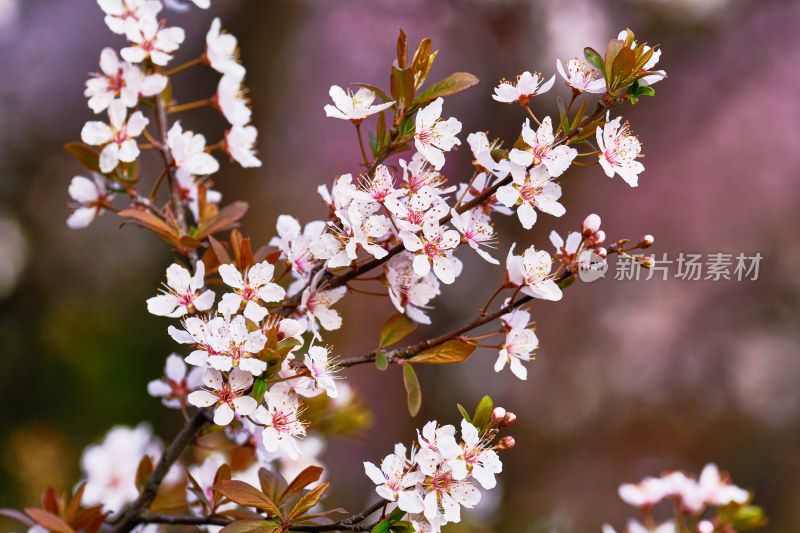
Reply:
x=413, y=391
x=246, y=495
x=227, y=218
x=143, y=471
x=452, y=351
x=463, y=412
x=483, y=413
x=309, y=500
x=396, y=515
x=251, y=526
x=456, y=82
x=16, y=515
x=381, y=527
x=614, y=48
x=153, y=223
x=402, y=527
x=303, y=479
x=220, y=251
x=85, y=154
x=402, y=50
x=421, y=63
x=48, y=520
x=259, y=388
x=396, y=328
x=272, y=483
x=402, y=86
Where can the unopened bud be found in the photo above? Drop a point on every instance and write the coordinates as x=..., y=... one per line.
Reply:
x=510, y=419
x=590, y=225
x=498, y=414
x=602, y=252
x=646, y=242
x=597, y=239
x=506, y=443
x=646, y=262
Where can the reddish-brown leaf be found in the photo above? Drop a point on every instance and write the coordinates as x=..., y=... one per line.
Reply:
x=251, y=526
x=48, y=520
x=452, y=351
x=227, y=218
x=16, y=515
x=303, y=479
x=309, y=500
x=247, y=495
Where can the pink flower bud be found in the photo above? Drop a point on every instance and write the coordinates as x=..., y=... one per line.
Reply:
x=602, y=252
x=646, y=242
x=510, y=419
x=590, y=225
x=498, y=414
x=506, y=443
x=597, y=239
x=646, y=262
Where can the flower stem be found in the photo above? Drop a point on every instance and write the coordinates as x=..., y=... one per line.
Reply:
x=361, y=144
x=184, y=66
x=191, y=105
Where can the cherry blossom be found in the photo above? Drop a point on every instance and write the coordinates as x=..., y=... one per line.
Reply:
x=341, y=194
x=222, y=52
x=209, y=336
x=718, y=490
x=565, y=250
x=241, y=349
x=445, y=495
x=151, y=41
x=240, y=144
x=254, y=286
x=644, y=494
x=541, y=150
x=188, y=151
x=479, y=185
x=581, y=77
x=477, y=230
x=294, y=243
x=232, y=101
x=176, y=383
x=279, y=415
x=379, y=189
x=91, y=198
x=125, y=15
x=619, y=150
x=528, y=85
x=322, y=369
x=110, y=467
x=393, y=481
x=482, y=150
x=531, y=271
x=519, y=344
x=533, y=190
x=353, y=107
x=433, y=247
x=434, y=136
x=410, y=292
x=419, y=177
x=476, y=460
x=121, y=81
x=118, y=138
x=229, y=397
x=359, y=229
x=182, y=294
x=317, y=304
x=437, y=445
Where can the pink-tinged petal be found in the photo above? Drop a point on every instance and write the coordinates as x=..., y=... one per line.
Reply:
x=374, y=473
x=212, y=379
x=551, y=207
x=546, y=86
x=223, y=415
x=180, y=336
x=444, y=269
x=245, y=405
x=96, y=133
x=518, y=369
x=175, y=368
x=201, y=398
x=527, y=215
x=465, y=494
x=271, y=292
x=158, y=388
x=128, y=151
x=239, y=379
x=81, y=217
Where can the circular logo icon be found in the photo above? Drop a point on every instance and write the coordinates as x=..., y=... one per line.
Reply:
x=591, y=267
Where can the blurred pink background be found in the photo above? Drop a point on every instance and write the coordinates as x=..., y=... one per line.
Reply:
x=632, y=377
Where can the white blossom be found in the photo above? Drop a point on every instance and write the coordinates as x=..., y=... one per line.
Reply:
x=240, y=142
x=228, y=396
x=434, y=246
x=118, y=138
x=533, y=190
x=410, y=292
x=477, y=230
x=280, y=416
x=150, y=41
x=433, y=136
x=182, y=294
x=119, y=80
x=188, y=151
x=241, y=350
x=232, y=101
x=619, y=150
x=519, y=344
x=222, y=52
x=91, y=198
x=394, y=481
x=355, y=107
x=254, y=286
x=528, y=85
x=123, y=16
x=581, y=77
x=541, y=150
x=177, y=382
x=531, y=271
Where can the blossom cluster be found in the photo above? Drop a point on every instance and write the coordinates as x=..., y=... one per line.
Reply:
x=135, y=75
x=438, y=475
x=695, y=498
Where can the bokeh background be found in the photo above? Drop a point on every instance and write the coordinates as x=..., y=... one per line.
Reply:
x=632, y=377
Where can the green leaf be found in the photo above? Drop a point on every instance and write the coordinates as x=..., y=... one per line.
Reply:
x=246, y=495
x=456, y=82
x=396, y=328
x=566, y=282
x=382, y=134
x=380, y=360
x=396, y=515
x=402, y=527
x=463, y=412
x=381, y=527
x=259, y=389
x=85, y=154
x=483, y=413
x=286, y=345
x=452, y=351
x=749, y=517
x=413, y=391
x=595, y=59
x=373, y=142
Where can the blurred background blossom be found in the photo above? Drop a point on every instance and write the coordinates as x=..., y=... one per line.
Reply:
x=632, y=377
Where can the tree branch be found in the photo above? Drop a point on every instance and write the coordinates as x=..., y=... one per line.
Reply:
x=133, y=515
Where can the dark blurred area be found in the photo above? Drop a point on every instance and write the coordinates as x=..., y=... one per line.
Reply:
x=632, y=377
